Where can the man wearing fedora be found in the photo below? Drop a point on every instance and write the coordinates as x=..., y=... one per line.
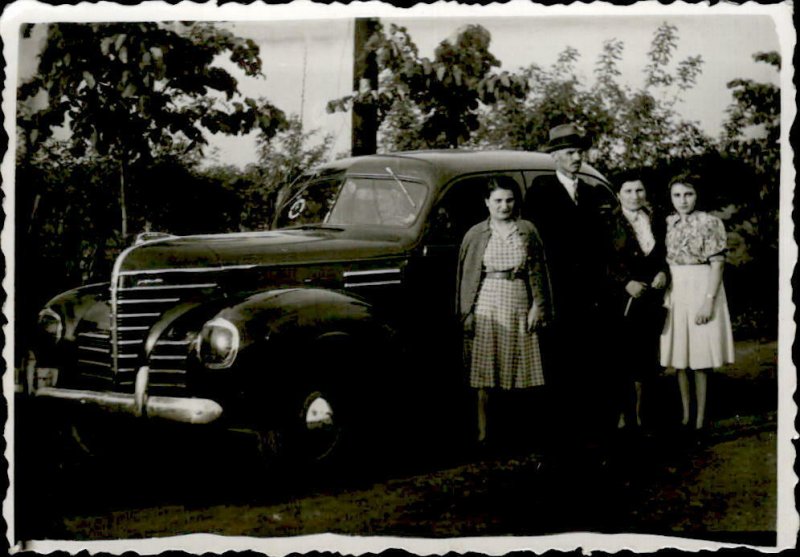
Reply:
x=572, y=218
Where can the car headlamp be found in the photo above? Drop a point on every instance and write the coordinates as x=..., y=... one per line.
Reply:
x=50, y=325
x=218, y=343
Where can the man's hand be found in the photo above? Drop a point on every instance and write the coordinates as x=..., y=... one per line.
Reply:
x=659, y=281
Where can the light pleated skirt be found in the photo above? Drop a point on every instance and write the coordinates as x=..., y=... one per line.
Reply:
x=684, y=344
x=504, y=353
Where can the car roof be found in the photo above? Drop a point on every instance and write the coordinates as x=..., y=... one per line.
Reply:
x=447, y=163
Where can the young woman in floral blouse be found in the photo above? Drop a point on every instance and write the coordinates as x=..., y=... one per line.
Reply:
x=697, y=335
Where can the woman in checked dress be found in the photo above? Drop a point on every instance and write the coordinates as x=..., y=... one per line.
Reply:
x=697, y=335
x=502, y=293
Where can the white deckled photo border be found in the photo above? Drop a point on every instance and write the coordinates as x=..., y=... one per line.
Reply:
x=24, y=11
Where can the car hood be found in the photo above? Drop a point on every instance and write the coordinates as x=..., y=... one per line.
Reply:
x=291, y=246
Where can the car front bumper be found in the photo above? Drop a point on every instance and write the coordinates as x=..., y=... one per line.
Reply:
x=177, y=409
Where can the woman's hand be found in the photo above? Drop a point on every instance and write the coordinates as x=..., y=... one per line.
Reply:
x=469, y=324
x=535, y=318
x=659, y=281
x=704, y=314
x=635, y=288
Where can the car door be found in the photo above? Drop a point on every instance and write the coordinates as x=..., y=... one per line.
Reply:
x=460, y=206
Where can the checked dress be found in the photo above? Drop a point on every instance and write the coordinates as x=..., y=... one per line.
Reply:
x=504, y=353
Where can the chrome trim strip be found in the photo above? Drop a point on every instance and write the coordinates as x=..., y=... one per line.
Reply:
x=94, y=349
x=94, y=335
x=248, y=266
x=105, y=378
x=94, y=363
x=136, y=328
x=173, y=287
x=166, y=357
x=376, y=283
x=115, y=280
x=148, y=300
x=173, y=342
x=189, y=270
x=130, y=315
x=150, y=281
x=140, y=391
x=133, y=341
x=169, y=371
x=347, y=274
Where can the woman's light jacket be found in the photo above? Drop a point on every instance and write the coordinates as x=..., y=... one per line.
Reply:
x=470, y=267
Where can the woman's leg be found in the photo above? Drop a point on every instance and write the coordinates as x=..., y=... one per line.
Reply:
x=683, y=385
x=700, y=391
x=483, y=396
x=637, y=387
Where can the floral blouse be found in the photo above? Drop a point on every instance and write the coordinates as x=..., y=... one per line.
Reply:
x=695, y=240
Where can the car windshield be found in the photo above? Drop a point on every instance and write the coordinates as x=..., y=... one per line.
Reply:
x=380, y=201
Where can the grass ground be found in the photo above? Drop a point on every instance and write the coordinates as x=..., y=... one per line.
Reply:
x=721, y=487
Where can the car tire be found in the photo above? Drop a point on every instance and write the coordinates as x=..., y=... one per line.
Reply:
x=316, y=427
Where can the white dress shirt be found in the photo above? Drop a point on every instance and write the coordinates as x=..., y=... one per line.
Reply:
x=570, y=184
x=640, y=221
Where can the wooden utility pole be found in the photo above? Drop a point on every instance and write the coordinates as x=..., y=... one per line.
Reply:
x=365, y=76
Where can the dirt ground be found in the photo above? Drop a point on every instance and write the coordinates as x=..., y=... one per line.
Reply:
x=721, y=486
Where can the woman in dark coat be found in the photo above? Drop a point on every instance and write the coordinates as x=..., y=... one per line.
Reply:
x=502, y=297
x=638, y=271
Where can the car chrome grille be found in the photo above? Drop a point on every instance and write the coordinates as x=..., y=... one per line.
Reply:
x=142, y=299
x=94, y=360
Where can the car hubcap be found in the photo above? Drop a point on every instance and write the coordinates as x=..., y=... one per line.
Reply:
x=319, y=414
x=321, y=427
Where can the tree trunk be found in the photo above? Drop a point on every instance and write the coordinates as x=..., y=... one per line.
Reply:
x=122, y=208
x=364, y=139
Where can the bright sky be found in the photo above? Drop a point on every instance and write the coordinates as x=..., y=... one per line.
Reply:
x=309, y=62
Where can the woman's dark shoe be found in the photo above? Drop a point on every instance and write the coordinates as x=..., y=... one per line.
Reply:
x=700, y=436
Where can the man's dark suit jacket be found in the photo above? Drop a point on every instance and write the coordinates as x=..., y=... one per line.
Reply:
x=576, y=244
x=576, y=348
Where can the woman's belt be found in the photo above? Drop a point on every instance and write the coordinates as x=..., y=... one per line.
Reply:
x=509, y=274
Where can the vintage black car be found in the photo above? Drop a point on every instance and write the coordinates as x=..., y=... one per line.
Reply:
x=299, y=334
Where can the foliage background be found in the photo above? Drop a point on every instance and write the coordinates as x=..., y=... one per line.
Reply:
x=136, y=97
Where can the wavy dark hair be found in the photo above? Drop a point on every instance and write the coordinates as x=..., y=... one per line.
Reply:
x=696, y=183
x=629, y=175
x=505, y=183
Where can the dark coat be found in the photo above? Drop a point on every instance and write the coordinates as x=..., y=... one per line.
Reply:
x=576, y=243
x=641, y=319
x=470, y=267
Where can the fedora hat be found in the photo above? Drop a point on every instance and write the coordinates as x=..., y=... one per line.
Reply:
x=567, y=136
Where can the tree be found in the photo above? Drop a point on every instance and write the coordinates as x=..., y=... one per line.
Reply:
x=443, y=95
x=555, y=95
x=632, y=127
x=751, y=138
x=131, y=90
x=752, y=130
x=281, y=160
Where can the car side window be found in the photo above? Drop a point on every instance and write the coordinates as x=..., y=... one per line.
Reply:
x=460, y=207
